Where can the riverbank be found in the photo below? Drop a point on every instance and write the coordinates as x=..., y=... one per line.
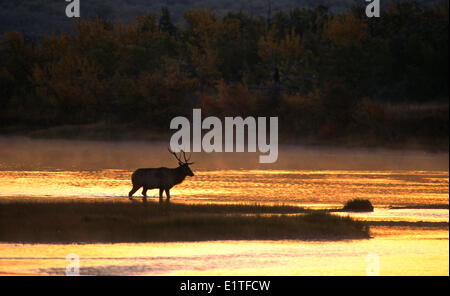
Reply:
x=102, y=131
x=120, y=221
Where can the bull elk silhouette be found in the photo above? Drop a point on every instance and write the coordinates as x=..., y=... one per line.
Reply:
x=162, y=178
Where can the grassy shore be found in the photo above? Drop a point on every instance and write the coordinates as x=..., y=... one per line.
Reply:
x=113, y=222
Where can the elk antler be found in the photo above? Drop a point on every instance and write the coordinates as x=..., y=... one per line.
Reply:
x=186, y=161
x=174, y=154
x=184, y=156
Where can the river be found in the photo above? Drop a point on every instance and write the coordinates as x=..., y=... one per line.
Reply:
x=415, y=182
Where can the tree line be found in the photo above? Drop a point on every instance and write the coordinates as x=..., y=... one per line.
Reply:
x=321, y=73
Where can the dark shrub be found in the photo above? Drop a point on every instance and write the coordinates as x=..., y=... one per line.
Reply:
x=358, y=205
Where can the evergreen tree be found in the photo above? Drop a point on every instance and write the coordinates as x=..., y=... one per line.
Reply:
x=165, y=23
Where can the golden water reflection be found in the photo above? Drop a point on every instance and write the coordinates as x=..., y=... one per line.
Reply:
x=401, y=253
x=416, y=251
x=271, y=186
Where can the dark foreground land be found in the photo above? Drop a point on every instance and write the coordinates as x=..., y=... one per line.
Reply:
x=118, y=221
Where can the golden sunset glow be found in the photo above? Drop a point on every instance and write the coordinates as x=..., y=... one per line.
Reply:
x=424, y=253
x=225, y=138
x=274, y=186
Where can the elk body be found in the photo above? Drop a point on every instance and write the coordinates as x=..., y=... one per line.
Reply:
x=160, y=178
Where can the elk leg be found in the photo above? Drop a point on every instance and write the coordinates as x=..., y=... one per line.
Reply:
x=161, y=194
x=135, y=188
x=144, y=191
x=167, y=194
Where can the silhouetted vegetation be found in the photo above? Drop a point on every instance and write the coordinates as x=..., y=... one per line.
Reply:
x=331, y=78
x=358, y=205
x=84, y=221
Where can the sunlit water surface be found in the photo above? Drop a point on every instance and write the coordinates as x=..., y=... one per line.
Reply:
x=401, y=251
x=303, y=187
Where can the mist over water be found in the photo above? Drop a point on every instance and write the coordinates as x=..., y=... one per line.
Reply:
x=34, y=154
x=315, y=176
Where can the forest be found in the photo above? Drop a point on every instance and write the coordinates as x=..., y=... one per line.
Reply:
x=330, y=77
x=35, y=18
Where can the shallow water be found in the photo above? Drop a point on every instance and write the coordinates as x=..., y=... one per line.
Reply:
x=402, y=253
x=316, y=187
x=316, y=178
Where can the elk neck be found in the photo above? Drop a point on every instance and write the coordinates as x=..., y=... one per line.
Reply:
x=180, y=175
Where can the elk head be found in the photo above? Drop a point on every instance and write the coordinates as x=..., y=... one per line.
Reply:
x=184, y=165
